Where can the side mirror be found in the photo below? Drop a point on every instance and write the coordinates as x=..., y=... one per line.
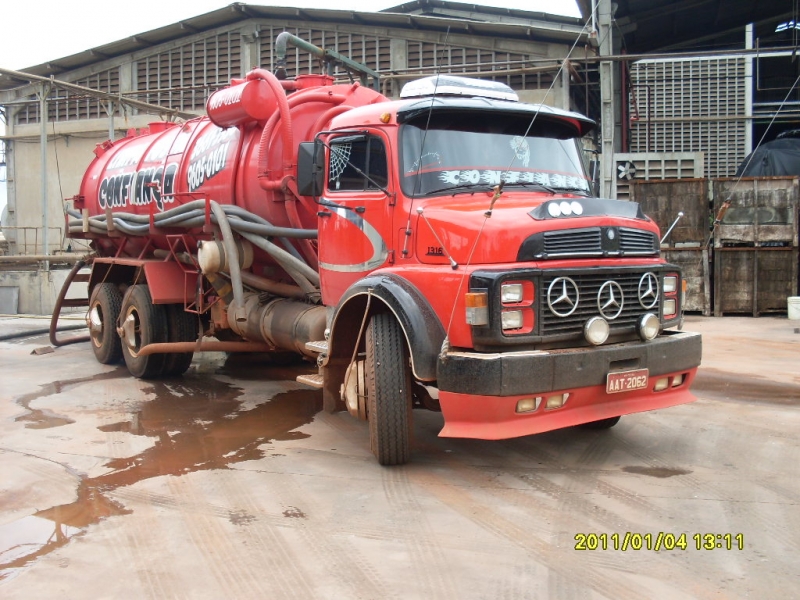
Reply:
x=310, y=168
x=594, y=171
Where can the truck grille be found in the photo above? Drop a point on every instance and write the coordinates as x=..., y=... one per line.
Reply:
x=589, y=286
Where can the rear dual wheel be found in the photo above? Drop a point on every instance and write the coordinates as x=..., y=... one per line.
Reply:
x=182, y=327
x=104, y=307
x=142, y=323
x=388, y=390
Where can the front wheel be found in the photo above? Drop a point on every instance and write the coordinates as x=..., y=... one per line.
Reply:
x=142, y=323
x=388, y=390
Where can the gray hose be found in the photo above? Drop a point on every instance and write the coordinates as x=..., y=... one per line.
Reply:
x=282, y=257
x=232, y=251
x=31, y=332
x=234, y=218
x=190, y=215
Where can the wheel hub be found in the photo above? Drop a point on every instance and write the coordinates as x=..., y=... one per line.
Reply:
x=354, y=390
x=130, y=332
x=94, y=321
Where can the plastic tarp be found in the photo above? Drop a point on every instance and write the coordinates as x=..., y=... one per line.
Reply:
x=775, y=158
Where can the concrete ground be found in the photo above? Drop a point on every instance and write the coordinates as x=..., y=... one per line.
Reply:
x=230, y=482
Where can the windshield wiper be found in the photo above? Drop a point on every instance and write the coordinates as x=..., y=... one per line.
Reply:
x=581, y=190
x=552, y=189
x=541, y=186
x=462, y=188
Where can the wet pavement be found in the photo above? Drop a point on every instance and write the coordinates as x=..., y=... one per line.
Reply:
x=231, y=482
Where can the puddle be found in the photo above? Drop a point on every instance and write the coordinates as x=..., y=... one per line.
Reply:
x=660, y=472
x=45, y=419
x=197, y=425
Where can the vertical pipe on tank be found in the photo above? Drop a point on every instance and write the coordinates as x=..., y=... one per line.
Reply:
x=283, y=109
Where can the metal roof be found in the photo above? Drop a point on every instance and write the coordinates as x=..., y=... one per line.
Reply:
x=497, y=23
x=661, y=25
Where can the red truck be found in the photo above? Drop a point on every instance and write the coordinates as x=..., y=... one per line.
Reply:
x=442, y=251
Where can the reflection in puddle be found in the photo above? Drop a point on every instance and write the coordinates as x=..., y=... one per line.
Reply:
x=197, y=425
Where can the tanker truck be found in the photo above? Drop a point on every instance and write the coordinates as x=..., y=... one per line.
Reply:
x=442, y=251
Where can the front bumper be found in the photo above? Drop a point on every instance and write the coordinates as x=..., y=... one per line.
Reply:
x=542, y=371
x=478, y=392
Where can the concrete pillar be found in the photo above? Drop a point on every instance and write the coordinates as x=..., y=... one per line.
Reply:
x=608, y=83
x=748, y=91
x=398, y=60
x=251, y=48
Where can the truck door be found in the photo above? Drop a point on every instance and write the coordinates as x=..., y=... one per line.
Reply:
x=355, y=230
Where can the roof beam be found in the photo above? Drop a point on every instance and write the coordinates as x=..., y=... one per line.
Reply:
x=144, y=106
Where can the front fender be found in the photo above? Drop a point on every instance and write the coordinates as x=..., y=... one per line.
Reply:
x=423, y=330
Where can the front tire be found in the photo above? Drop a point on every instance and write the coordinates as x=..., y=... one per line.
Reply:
x=142, y=323
x=389, y=391
x=104, y=307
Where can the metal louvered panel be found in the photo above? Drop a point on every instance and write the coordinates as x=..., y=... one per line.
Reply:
x=694, y=104
x=574, y=241
x=588, y=242
x=370, y=50
x=68, y=105
x=654, y=165
x=183, y=78
x=637, y=241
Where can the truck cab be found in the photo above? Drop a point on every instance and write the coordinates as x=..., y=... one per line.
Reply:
x=458, y=228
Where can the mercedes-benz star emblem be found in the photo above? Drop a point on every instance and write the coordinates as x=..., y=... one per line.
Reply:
x=648, y=290
x=562, y=297
x=610, y=300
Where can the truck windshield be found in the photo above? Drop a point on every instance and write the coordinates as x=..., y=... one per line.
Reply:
x=470, y=151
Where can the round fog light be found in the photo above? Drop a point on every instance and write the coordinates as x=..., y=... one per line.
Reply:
x=596, y=330
x=649, y=326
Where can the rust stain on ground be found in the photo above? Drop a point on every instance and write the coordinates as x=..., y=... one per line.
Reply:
x=198, y=425
x=44, y=419
x=660, y=472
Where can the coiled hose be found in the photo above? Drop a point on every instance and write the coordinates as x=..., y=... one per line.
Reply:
x=192, y=215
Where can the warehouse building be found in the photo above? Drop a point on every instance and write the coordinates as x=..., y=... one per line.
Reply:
x=691, y=110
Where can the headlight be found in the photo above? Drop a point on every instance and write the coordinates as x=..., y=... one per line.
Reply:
x=511, y=293
x=670, y=284
x=670, y=307
x=511, y=319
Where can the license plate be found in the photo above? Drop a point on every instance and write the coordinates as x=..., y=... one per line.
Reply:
x=625, y=381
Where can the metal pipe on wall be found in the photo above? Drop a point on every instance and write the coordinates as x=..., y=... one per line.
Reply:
x=45, y=92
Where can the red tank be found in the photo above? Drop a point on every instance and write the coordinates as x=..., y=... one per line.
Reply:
x=239, y=154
